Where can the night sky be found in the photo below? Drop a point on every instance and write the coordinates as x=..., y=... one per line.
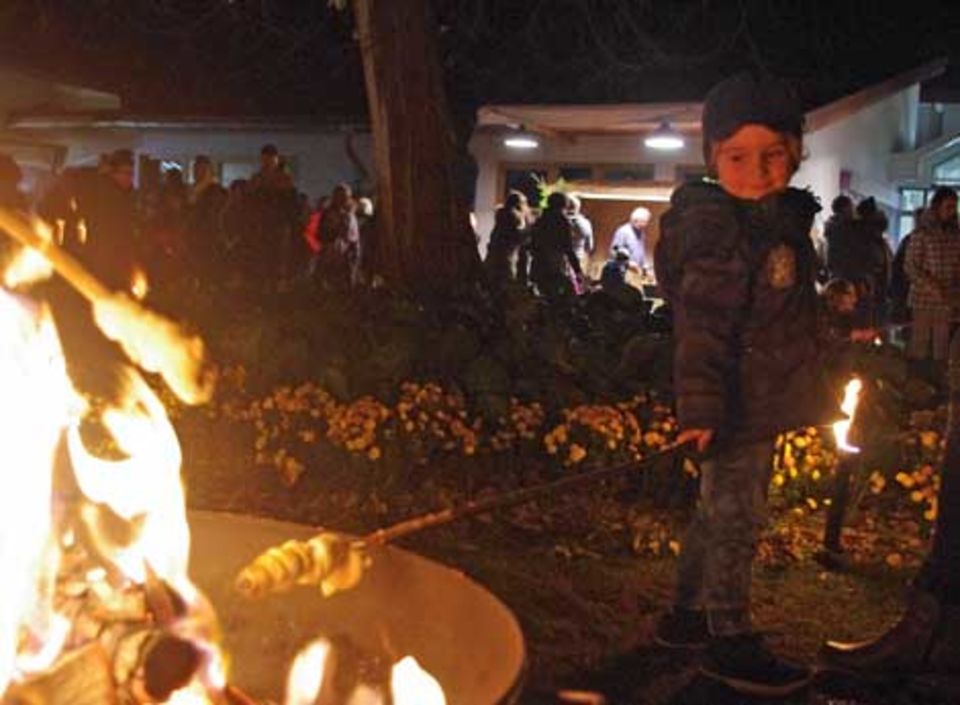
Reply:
x=281, y=57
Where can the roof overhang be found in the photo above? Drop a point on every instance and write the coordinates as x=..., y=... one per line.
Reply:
x=601, y=119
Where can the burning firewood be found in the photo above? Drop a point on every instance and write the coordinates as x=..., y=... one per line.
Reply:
x=151, y=341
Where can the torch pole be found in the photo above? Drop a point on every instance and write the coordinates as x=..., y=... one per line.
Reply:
x=839, y=499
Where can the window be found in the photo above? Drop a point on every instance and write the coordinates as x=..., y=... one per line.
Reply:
x=576, y=173
x=629, y=172
x=912, y=198
x=948, y=172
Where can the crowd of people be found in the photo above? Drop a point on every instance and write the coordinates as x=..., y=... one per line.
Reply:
x=550, y=251
x=261, y=230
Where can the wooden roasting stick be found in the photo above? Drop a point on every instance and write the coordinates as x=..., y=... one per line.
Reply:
x=152, y=341
x=335, y=562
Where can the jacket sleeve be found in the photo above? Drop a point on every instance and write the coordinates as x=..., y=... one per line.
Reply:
x=710, y=301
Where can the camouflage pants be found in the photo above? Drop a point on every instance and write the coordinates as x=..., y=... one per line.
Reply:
x=714, y=570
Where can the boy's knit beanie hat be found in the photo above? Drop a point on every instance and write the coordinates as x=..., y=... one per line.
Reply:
x=746, y=99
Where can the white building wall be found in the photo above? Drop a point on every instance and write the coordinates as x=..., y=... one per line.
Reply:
x=860, y=144
x=492, y=156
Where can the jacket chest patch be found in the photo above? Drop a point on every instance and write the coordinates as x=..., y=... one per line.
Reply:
x=781, y=267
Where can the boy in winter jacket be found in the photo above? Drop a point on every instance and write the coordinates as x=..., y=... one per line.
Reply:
x=738, y=266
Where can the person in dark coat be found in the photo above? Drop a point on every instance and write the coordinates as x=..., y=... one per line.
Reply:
x=554, y=267
x=506, y=254
x=737, y=265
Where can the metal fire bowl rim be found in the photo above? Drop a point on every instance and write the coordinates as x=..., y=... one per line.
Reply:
x=269, y=531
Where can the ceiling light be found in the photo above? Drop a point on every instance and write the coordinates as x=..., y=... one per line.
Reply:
x=664, y=138
x=521, y=139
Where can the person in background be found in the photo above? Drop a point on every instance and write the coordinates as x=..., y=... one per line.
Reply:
x=507, y=239
x=631, y=236
x=838, y=239
x=551, y=248
x=583, y=242
x=933, y=268
x=274, y=209
x=613, y=281
x=205, y=203
x=899, y=290
x=871, y=227
x=737, y=265
x=339, y=241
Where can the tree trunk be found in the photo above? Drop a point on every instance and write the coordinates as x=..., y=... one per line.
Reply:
x=425, y=241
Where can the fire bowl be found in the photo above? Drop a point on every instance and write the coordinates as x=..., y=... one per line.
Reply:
x=455, y=628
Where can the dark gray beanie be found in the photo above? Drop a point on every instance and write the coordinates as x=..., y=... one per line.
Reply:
x=745, y=99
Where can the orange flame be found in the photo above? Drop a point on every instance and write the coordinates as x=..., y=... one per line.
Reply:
x=841, y=429
x=141, y=493
x=409, y=683
x=139, y=284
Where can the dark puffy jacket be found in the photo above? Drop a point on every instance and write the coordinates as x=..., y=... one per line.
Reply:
x=739, y=276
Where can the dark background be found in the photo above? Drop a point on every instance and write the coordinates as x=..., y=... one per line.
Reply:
x=287, y=57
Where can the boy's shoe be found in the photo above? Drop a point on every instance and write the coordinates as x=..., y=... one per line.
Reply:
x=682, y=629
x=745, y=664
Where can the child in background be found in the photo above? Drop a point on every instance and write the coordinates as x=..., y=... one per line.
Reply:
x=738, y=266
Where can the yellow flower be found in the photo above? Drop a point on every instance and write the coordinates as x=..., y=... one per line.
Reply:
x=577, y=453
x=779, y=479
x=916, y=496
x=929, y=439
x=905, y=480
x=812, y=503
x=374, y=453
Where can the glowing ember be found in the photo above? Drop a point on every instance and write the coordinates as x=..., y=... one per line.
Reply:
x=841, y=429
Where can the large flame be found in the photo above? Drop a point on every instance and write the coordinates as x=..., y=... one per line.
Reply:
x=34, y=409
x=141, y=493
x=841, y=429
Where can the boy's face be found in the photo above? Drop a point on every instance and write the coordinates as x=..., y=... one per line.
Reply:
x=754, y=162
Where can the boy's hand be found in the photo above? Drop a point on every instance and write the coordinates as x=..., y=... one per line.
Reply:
x=700, y=436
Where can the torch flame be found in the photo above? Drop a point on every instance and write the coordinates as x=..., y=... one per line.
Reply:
x=851, y=395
